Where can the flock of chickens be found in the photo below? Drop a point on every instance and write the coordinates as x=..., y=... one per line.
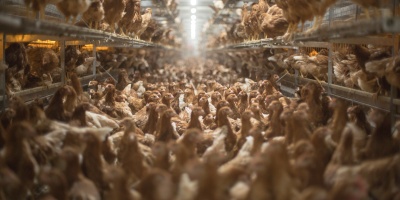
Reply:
x=282, y=19
x=108, y=15
x=369, y=68
x=30, y=66
x=195, y=129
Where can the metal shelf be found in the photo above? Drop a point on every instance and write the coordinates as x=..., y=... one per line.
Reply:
x=45, y=91
x=356, y=29
x=272, y=44
x=289, y=83
x=16, y=25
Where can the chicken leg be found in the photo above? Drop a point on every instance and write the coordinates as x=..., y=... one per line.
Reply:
x=121, y=31
x=285, y=36
x=316, y=25
x=112, y=27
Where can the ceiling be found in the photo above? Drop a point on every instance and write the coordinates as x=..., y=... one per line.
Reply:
x=193, y=22
x=194, y=14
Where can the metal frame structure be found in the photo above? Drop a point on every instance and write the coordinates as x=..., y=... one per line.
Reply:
x=15, y=28
x=382, y=32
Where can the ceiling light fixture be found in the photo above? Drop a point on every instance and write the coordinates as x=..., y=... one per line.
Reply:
x=193, y=17
x=193, y=2
x=193, y=10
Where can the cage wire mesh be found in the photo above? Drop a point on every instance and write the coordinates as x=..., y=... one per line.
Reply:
x=341, y=12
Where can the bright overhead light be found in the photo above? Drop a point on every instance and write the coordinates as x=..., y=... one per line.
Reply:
x=193, y=10
x=193, y=30
x=193, y=17
x=193, y=2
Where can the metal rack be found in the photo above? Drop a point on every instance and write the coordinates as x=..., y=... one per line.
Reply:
x=46, y=91
x=16, y=28
x=15, y=25
x=381, y=32
x=352, y=30
x=270, y=43
x=352, y=95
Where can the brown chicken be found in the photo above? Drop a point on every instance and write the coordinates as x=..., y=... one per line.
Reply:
x=232, y=100
x=372, y=173
x=350, y=188
x=56, y=182
x=273, y=23
x=121, y=188
x=93, y=165
x=157, y=185
x=308, y=168
x=185, y=151
x=339, y=118
x=123, y=80
x=231, y=138
x=318, y=9
x=245, y=18
x=388, y=68
x=194, y=118
x=39, y=6
x=274, y=159
x=146, y=18
x=295, y=12
x=148, y=34
x=16, y=56
x=275, y=126
x=150, y=126
x=165, y=132
x=167, y=99
x=130, y=17
x=17, y=154
x=381, y=143
x=79, y=186
x=296, y=127
x=244, y=130
x=94, y=14
x=343, y=156
x=205, y=105
x=311, y=94
x=72, y=8
x=130, y=155
x=42, y=62
x=358, y=117
x=56, y=109
x=113, y=12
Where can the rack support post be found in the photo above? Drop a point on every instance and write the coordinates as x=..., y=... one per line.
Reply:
x=3, y=71
x=95, y=59
x=62, y=60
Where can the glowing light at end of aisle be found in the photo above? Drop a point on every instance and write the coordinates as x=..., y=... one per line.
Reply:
x=193, y=2
x=193, y=30
x=193, y=10
x=193, y=17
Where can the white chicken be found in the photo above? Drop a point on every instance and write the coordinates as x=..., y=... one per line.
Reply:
x=84, y=68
